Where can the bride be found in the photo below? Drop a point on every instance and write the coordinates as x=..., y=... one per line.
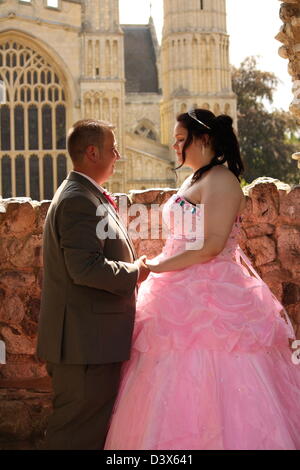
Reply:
x=211, y=366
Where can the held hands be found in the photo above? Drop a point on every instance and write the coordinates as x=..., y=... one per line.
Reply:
x=153, y=266
x=143, y=269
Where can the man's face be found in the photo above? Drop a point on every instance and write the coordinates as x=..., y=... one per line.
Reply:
x=108, y=155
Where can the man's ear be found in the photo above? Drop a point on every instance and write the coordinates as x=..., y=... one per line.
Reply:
x=91, y=153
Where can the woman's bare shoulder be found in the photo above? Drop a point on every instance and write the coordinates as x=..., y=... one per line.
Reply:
x=223, y=177
x=223, y=181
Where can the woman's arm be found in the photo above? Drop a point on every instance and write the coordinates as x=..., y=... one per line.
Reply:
x=221, y=197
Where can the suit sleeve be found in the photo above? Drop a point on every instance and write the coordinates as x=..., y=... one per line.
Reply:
x=83, y=250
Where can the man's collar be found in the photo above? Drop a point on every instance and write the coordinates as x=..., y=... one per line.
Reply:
x=91, y=180
x=91, y=186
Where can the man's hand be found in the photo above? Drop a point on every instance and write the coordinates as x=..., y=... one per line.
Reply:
x=143, y=270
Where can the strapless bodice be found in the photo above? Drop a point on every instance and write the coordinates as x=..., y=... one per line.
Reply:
x=184, y=223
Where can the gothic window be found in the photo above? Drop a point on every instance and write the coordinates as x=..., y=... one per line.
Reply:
x=6, y=176
x=61, y=168
x=33, y=127
x=48, y=176
x=34, y=179
x=5, y=127
x=115, y=59
x=47, y=127
x=19, y=127
x=107, y=59
x=32, y=119
x=201, y=4
x=145, y=130
x=60, y=116
x=151, y=135
x=20, y=176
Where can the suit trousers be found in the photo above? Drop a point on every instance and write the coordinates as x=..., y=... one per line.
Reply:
x=83, y=401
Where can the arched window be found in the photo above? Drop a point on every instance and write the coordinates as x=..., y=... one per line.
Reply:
x=33, y=127
x=60, y=116
x=61, y=168
x=34, y=115
x=145, y=129
x=47, y=127
x=5, y=127
x=19, y=127
x=20, y=176
x=34, y=177
x=48, y=176
x=6, y=176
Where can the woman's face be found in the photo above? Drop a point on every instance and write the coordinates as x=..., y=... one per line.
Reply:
x=194, y=150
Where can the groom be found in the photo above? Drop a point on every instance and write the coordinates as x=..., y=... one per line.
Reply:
x=88, y=296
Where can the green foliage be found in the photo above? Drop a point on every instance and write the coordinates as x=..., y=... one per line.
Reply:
x=243, y=182
x=267, y=139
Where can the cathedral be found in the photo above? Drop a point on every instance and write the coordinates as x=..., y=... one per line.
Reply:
x=64, y=60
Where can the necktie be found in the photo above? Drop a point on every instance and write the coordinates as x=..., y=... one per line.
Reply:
x=110, y=200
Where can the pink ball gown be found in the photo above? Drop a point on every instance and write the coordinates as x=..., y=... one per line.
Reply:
x=211, y=365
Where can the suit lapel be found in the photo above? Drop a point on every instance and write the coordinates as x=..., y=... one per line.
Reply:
x=118, y=220
x=73, y=176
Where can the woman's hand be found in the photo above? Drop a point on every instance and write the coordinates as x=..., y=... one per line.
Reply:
x=154, y=266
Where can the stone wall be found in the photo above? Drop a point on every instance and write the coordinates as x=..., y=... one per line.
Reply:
x=289, y=36
x=270, y=237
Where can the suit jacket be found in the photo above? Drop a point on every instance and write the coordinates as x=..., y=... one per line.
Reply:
x=88, y=295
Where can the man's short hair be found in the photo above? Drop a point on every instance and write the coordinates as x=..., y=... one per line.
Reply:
x=84, y=133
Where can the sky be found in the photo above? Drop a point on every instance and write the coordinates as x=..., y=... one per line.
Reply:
x=252, y=26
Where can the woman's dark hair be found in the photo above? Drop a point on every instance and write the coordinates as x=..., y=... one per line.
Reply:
x=222, y=136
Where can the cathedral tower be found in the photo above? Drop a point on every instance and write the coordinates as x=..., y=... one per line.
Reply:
x=102, y=72
x=195, y=61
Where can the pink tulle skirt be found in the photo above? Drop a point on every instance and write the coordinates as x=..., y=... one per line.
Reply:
x=211, y=366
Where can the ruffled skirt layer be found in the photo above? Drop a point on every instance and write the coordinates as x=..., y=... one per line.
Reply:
x=211, y=365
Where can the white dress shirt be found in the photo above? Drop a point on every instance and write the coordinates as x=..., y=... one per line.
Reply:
x=91, y=180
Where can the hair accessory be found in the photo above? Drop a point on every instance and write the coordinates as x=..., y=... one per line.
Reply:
x=192, y=114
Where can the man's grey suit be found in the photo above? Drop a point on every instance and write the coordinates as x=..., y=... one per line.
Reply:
x=87, y=311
